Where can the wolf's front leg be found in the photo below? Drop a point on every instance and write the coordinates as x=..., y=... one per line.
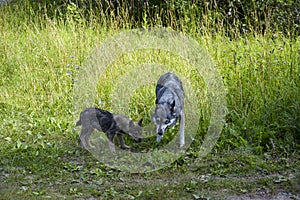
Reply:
x=121, y=141
x=181, y=129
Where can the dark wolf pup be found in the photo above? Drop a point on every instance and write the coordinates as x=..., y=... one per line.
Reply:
x=111, y=124
x=169, y=105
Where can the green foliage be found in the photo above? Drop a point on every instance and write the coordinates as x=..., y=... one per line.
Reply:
x=40, y=156
x=260, y=74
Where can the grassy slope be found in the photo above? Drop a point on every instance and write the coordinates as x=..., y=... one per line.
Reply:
x=40, y=157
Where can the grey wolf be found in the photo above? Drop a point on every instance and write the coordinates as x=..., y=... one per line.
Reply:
x=169, y=105
x=111, y=124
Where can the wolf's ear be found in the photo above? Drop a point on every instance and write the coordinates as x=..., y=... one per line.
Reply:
x=140, y=122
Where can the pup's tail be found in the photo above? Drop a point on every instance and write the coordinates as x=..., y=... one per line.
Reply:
x=78, y=123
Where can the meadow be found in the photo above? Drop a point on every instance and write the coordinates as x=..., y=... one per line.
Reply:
x=257, y=154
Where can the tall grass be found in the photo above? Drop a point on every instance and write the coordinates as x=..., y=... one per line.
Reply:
x=40, y=57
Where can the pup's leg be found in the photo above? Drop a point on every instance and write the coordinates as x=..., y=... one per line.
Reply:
x=81, y=138
x=111, y=144
x=121, y=141
x=88, y=141
x=85, y=138
x=181, y=129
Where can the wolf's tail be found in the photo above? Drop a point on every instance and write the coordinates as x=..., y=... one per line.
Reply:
x=78, y=123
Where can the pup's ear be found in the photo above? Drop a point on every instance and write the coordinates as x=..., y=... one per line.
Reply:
x=131, y=123
x=140, y=122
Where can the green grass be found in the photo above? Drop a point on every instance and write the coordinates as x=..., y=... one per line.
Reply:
x=40, y=58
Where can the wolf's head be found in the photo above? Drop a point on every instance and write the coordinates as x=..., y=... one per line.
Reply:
x=164, y=117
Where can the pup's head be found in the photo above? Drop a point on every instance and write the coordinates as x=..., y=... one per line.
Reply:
x=135, y=130
x=164, y=117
